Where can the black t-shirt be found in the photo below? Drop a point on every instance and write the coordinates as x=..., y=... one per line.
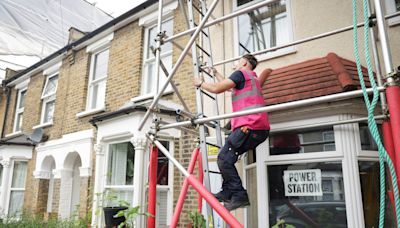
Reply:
x=238, y=78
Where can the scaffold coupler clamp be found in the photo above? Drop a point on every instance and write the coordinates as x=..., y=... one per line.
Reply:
x=192, y=120
x=393, y=78
x=372, y=20
x=156, y=126
x=197, y=142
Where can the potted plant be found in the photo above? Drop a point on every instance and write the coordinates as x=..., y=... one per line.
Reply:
x=198, y=220
x=111, y=207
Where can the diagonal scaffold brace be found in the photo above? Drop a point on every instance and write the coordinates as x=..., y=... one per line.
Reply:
x=189, y=179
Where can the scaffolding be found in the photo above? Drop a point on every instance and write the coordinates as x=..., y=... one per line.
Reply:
x=388, y=87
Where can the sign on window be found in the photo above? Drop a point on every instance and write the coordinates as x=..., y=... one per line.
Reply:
x=302, y=182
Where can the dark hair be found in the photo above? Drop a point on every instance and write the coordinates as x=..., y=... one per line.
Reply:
x=252, y=60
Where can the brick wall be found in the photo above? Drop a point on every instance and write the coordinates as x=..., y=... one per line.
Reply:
x=125, y=63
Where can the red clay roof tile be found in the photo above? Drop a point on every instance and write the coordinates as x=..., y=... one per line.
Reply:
x=312, y=78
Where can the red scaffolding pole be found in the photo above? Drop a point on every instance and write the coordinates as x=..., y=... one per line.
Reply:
x=151, y=220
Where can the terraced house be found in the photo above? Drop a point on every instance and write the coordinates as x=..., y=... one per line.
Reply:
x=70, y=129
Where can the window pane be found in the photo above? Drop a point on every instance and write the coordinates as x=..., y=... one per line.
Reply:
x=19, y=122
x=48, y=112
x=162, y=168
x=121, y=164
x=397, y=5
x=369, y=178
x=51, y=86
x=307, y=195
x=97, y=95
x=100, y=65
x=22, y=99
x=242, y=2
x=263, y=28
x=302, y=142
x=19, y=174
x=16, y=203
x=367, y=141
x=114, y=196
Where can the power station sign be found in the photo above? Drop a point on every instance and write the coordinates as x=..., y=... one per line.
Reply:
x=305, y=182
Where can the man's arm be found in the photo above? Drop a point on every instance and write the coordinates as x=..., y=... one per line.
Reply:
x=264, y=75
x=218, y=87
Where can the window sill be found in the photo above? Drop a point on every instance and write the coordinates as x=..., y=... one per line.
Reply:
x=17, y=133
x=394, y=21
x=43, y=125
x=148, y=96
x=278, y=53
x=90, y=112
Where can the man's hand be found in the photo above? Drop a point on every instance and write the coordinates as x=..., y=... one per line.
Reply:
x=197, y=81
x=210, y=69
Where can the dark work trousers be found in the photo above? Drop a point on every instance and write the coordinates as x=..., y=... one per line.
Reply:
x=239, y=142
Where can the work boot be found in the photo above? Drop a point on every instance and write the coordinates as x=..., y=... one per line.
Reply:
x=221, y=197
x=234, y=204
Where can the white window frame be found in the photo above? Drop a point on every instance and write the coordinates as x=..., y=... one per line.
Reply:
x=92, y=82
x=47, y=99
x=19, y=111
x=147, y=61
x=390, y=6
x=10, y=188
x=269, y=55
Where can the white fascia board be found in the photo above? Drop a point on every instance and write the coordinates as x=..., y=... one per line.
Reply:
x=66, y=139
x=8, y=152
x=23, y=84
x=121, y=127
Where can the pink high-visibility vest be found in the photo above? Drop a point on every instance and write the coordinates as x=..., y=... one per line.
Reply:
x=248, y=98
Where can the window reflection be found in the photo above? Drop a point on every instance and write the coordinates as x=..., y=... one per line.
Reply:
x=302, y=142
x=369, y=178
x=293, y=200
x=367, y=141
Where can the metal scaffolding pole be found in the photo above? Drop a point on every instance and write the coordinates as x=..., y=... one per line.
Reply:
x=178, y=63
x=305, y=40
x=326, y=124
x=294, y=104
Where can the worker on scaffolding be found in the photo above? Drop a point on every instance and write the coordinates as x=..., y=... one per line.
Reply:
x=247, y=131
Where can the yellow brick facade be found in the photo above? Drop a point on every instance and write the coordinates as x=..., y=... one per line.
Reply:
x=123, y=83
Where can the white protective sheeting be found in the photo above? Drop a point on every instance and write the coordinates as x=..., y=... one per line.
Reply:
x=40, y=27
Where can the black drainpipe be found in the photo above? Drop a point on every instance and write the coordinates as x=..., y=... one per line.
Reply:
x=8, y=91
